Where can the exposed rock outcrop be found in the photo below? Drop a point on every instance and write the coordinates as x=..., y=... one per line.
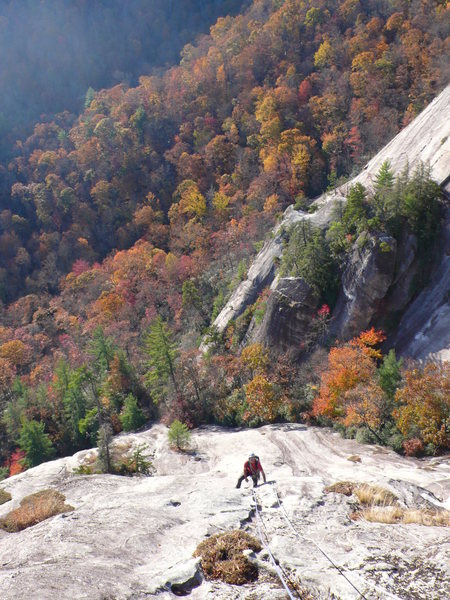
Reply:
x=406, y=269
x=259, y=276
x=365, y=281
x=262, y=271
x=132, y=538
x=424, y=329
x=426, y=139
x=287, y=317
x=180, y=579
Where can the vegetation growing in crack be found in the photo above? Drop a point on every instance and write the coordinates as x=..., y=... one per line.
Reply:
x=380, y=505
x=125, y=459
x=307, y=255
x=4, y=496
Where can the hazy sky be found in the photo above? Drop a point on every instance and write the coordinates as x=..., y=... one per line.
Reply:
x=53, y=50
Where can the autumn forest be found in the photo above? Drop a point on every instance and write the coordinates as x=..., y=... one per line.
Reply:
x=125, y=228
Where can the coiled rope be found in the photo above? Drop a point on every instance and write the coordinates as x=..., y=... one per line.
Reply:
x=259, y=521
x=385, y=593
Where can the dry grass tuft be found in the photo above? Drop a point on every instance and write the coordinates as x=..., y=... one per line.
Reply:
x=354, y=458
x=120, y=447
x=382, y=514
x=4, y=496
x=33, y=509
x=382, y=506
x=369, y=495
x=222, y=557
x=436, y=518
x=374, y=495
x=341, y=487
x=394, y=514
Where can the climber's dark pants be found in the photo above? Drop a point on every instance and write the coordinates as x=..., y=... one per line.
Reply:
x=242, y=477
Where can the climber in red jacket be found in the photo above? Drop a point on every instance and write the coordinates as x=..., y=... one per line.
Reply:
x=252, y=468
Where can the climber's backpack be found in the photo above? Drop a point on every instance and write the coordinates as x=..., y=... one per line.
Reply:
x=254, y=465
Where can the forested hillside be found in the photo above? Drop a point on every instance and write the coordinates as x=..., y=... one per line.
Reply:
x=126, y=229
x=53, y=51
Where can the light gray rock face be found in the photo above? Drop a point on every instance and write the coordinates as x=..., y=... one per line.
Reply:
x=426, y=139
x=424, y=330
x=365, y=281
x=287, y=319
x=260, y=275
x=133, y=538
x=262, y=271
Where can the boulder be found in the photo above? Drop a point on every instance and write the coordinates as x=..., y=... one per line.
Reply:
x=366, y=279
x=288, y=316
x=262, y=271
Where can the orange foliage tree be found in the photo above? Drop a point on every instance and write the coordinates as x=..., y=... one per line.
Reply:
x=255, y=358
x=15, y=462
x=348, y=390
x=262, y=399
x=15, y=351
x=424, y=399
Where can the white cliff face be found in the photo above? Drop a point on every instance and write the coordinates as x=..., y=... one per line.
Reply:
x=426, y=139
x=133, y=538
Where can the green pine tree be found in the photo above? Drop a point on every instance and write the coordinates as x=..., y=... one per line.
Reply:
x=191, y=296
x=75, y=405
x=162, y=352
x=386, y=200
x=179, y=435
x=384, y=179
x=104, y=438
x=308, y=256
x=389, y=374
x=131, y=416
x=102, y=349
x=35, y=442
x=19, y=401
x=90, y=95
x=356, y=211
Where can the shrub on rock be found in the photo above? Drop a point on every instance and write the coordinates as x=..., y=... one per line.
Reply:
x=4, y=496
x=179, y=436
x=222, y=557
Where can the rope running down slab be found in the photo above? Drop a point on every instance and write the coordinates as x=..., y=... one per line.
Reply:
x=266, y=546
x=339, y=569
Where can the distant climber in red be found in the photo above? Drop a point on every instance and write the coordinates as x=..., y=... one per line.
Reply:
x=253, y=469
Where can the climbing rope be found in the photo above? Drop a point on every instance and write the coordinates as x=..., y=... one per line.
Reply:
x=339, y=569
x=266, y=546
